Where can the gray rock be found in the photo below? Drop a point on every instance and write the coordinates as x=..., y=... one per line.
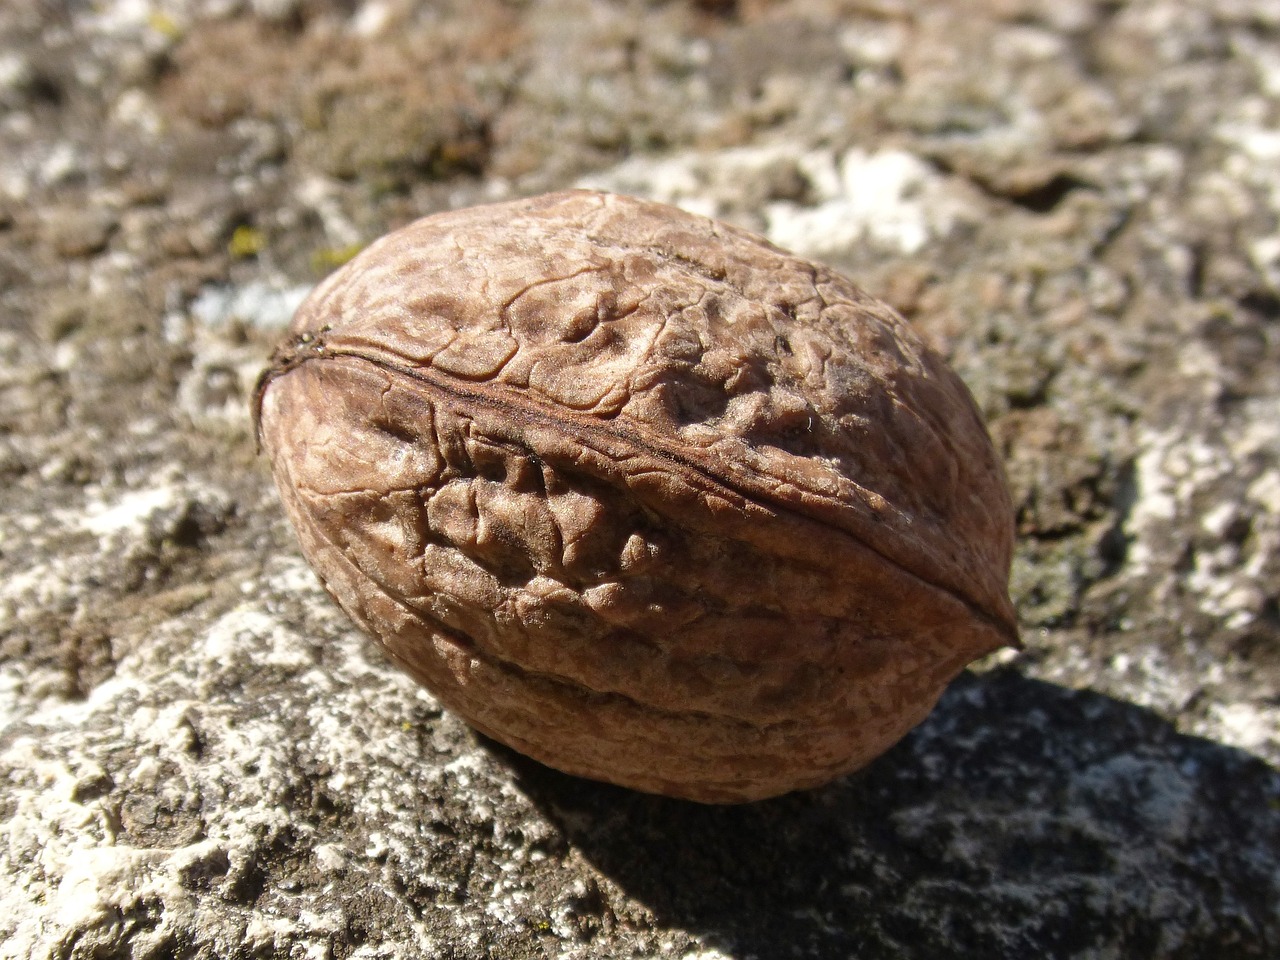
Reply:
x=1076, y=202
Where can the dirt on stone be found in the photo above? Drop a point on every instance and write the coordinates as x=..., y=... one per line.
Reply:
x=1074, y=201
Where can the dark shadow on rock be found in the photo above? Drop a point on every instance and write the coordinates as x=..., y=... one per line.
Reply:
x=1020, y=820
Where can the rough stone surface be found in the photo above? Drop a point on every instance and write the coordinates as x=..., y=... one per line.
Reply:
x=639, y=494
x=1075, y=201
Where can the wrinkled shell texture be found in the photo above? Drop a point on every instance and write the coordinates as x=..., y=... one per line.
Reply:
x=639, y=494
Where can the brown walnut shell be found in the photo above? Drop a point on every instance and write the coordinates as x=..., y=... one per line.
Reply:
x=639, y=494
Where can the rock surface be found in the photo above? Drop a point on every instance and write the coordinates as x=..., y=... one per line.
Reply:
x=1075, y=201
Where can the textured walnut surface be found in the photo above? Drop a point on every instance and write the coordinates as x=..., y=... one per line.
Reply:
x=639, y=494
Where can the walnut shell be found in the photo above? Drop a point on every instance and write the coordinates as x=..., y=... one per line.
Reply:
x=639, y=494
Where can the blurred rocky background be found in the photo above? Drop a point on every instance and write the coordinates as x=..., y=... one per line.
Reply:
x=1077, y=201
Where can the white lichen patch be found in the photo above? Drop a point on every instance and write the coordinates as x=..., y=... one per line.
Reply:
x=127, y=513
x=1249, y=726
x=224, y=366
x=265, y=305
x=249, y=635
x=1252, y=164
x=706, y=953
x=710, y=184
x=1265, y=491
x=1167, y=471
x=39, y=584
x=1176, y=474
x=91, y=539
x=73, y=865
x=290, y=575
x=66, y=850
x=888, y=199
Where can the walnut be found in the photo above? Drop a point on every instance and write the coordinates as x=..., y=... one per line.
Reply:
x=639, y=494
